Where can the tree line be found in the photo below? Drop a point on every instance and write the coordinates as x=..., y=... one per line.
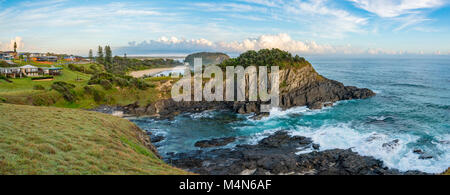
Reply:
x=121, y=65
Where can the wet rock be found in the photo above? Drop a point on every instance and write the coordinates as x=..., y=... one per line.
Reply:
x=391, y=145
x=418, y=151
x=315, y=106
x=157, y=138
x=215, y=142
x=316, y=146
x=425, y=157
x=328, y=104
x=275, y=155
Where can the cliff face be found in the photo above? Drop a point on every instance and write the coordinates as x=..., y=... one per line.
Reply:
x=305, y=87
x=299, y=86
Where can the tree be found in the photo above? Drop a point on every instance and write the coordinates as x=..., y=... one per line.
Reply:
x=15, y=47
x=100, y=59
x=91, y=55
x=108, y=55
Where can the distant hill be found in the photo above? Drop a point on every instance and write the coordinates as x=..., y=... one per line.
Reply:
x=208, y=58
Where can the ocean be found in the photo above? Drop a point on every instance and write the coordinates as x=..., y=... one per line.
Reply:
x=410, y=113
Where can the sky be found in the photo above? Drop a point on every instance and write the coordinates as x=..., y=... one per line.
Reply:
x=305, y=27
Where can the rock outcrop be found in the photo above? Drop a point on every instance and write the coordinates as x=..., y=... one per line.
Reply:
x=298, y=87
x=276, y=154
x=215, y=142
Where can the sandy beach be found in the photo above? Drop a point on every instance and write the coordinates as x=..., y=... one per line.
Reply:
x=152, y=72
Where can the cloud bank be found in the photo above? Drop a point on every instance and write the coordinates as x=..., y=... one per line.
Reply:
x=174, y=45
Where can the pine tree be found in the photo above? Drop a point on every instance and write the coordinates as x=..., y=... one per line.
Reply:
x=108, y=54
x=91, y=55
x=100, y=58
x=15, y=47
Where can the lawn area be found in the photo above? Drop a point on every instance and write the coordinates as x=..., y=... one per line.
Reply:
x=48, y=140
x=26, y=84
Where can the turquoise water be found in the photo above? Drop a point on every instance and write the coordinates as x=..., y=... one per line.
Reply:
x=412, y=106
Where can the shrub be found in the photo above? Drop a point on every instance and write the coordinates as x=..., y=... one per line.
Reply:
x=99, y=96
x=122, y=82
x=106, y=84
x=43, y=99
x=65, y=89
x=89, y=89
x=41, y=78
x=2, y=99
x=38, y=87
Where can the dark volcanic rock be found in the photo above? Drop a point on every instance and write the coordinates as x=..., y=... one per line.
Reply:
x=157, y=138
x=276, y=155
x=215, y=142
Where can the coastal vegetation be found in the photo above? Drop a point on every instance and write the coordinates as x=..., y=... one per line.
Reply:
x=46, y=140
x=266, y=57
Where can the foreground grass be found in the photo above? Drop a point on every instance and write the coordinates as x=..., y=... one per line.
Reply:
x=43, y=140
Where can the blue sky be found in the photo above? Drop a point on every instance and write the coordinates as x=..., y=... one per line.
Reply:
x=354, y=27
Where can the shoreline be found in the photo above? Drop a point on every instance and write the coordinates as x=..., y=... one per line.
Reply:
x=304, y=160
x=153, y=71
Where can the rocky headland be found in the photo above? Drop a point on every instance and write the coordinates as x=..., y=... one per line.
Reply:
x=300, y=85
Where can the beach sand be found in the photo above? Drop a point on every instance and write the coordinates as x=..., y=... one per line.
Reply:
x=152, y=72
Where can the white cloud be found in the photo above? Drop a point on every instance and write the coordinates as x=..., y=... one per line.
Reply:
x=10, y=46
x=174, y=45
x=394, y=8
x=280, y=41
x=318, y=17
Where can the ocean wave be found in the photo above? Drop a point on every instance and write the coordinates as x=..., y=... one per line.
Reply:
x=410, y=85
x=396, y=151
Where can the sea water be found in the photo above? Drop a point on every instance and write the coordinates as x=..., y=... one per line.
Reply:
x=412, y=106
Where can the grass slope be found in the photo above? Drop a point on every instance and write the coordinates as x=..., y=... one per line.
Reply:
x=44, y=140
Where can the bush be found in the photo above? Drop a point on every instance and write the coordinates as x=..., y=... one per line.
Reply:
x=2, y=99
x=106, y=84
x=99, y=96
x=44, y=99
x=38, y=87
x=89, y=90
x=266, y=57
x=41, y=78
x=121, y=82
x=65, y=89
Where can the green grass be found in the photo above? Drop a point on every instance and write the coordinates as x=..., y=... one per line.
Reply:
x=45, y=140
x=26, y=84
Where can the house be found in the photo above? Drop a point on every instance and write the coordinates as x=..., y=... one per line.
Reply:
x=54, y=71
x=8, y=55
x=29, y=70
x=10, y=72
x=47, y=59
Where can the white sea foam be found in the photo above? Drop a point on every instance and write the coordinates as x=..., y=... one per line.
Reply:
x=398, y=156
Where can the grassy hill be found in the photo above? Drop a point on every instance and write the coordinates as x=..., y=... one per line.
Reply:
x=44, y=140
